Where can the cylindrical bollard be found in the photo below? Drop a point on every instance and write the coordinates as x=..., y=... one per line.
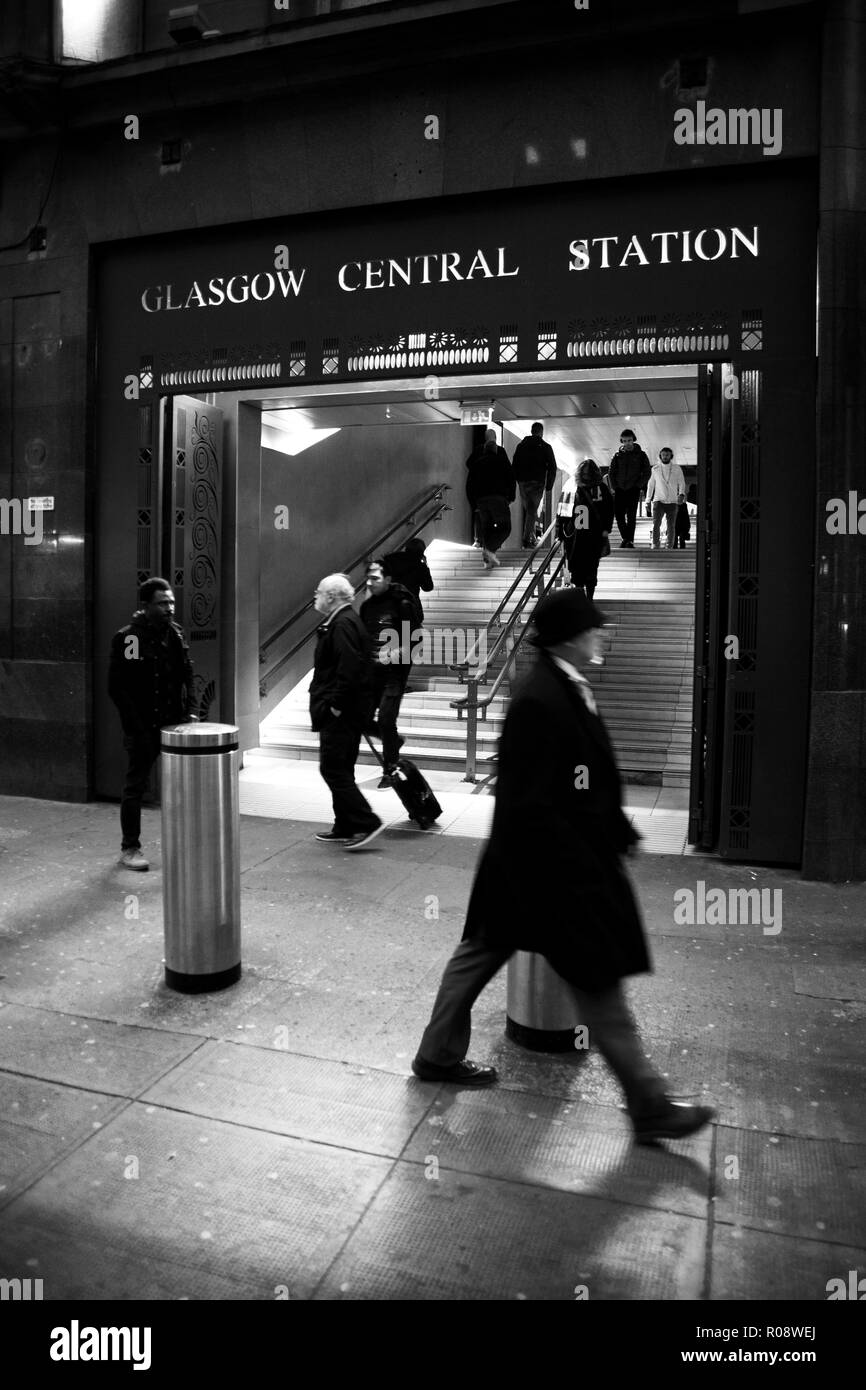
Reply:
x=201, y=888
x=540, y=1008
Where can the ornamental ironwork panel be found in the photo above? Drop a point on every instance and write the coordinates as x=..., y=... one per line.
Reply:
x=195, y=560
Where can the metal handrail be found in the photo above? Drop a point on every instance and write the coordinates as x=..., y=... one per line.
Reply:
x=495, y=619
x=408, y=519
x=470, y=701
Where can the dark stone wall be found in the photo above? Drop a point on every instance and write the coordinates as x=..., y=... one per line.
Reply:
x=270, y=134
x=835, y=831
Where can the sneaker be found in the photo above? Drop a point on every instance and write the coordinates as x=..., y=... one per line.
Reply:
x=460, y=1074
x=365, y=837
x=492, y=558
x=623, y=545
x=134, y=859
x=333, y=835
x=671, y=1122
x=386, y=780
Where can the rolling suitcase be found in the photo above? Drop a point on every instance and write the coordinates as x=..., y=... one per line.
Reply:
x=412, y=787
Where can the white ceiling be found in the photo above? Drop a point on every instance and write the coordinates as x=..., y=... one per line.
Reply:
x=583, y=423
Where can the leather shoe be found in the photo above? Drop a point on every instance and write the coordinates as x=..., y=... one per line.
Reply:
x=460, y=1074
x=672, y=1122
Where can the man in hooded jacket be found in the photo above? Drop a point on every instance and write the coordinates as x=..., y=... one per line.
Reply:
x=558, y=805
x=150, y=680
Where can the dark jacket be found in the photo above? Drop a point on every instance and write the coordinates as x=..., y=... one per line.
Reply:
x=584, y=544
x=342, y=671
x=383, y=615
x=150, y=680
x=534, y=462
x=630, y=468
x=409, y=570
x=490, y=475
x=551, y=878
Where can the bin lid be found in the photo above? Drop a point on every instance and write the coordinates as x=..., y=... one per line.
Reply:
x=199, y=738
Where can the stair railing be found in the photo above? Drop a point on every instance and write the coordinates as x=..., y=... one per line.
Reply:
x=435, y=496
x=505, y=644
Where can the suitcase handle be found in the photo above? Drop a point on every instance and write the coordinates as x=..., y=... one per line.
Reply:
x=379, y=759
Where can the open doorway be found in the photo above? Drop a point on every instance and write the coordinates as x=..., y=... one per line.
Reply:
x=649, y=677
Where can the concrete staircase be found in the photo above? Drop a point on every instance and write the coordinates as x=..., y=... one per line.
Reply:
x=644, y=689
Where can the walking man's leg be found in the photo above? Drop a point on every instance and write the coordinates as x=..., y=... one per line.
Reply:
x=141, y=755
x=338, y=751
x=530, y=495
x=671, y=522
x=614, y=1032
x=445, y=1041
x=630, y=512
x=389, y=708
x=619, y=511
x=658, y=513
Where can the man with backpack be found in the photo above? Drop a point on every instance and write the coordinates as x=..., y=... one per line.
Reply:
x=391, y=615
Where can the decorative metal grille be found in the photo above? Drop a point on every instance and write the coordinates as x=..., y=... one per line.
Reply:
x=742, y=749
x=648, y=335
x=546, y=348
x=330, y=357
x=297, y=358
x=508, y=343
x=752, y=330
x=145, y=491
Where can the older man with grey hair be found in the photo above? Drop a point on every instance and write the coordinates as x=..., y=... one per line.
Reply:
x=341, y=706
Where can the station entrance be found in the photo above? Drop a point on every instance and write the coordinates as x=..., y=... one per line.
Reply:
x=207, y=352
x=331, y=469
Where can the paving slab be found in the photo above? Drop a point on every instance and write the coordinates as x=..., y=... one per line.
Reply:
x=307, y=1097
x=166, y=1206
x=811, y=1188
x=463, y=1238
x=573, y=1146
x=39, y=1123
x=109, y=1058
x=751, y=1266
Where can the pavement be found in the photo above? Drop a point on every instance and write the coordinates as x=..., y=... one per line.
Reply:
x=269, y=1141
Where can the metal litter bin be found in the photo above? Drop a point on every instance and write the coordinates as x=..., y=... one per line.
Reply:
x=540, y=1009
x=201, y=889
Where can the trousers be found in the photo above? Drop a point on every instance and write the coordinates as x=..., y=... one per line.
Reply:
x=668, y=510
x=142, y=751
x=531, y=494
x=625, y=502
x=338, y=752
x=606, y=1013
x=494, y=517
x=389, y=683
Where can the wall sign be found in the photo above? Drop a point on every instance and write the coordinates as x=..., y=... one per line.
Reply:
x=667, y=268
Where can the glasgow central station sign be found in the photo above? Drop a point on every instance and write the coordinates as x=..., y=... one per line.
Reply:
x=686, y=265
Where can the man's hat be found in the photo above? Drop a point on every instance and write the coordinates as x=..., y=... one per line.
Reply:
x=563, y=615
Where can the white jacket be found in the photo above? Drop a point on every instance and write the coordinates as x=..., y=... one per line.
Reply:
x=666, y=483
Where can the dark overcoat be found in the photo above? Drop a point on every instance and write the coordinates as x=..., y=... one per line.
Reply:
x=342, y=671
x=551, y=878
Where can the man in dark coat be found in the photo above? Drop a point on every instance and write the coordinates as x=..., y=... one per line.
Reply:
x=341, y=706
x=551, y=878
x=409, y=567
x=491, y=489
x=391, y=617
x=629, y=474
x=535, y=471
x=150, y=681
